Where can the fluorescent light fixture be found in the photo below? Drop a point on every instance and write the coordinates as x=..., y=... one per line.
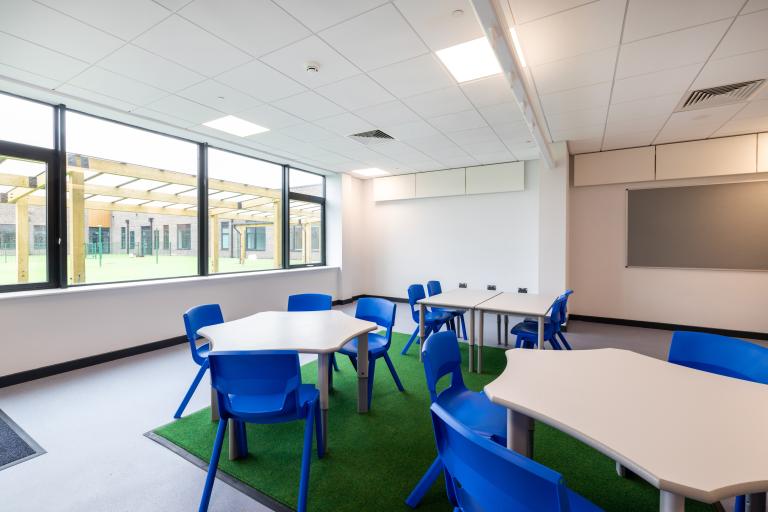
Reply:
x=518, y=48
x=236, y=126
x=371, y=172
x=471, y=60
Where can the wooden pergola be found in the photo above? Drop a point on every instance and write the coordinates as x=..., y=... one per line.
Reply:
x=106, y=185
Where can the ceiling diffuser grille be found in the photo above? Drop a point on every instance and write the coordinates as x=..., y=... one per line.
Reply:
x=371, y=137
x=721, y=95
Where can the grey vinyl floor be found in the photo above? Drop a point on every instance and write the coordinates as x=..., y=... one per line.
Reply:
x=92, y=421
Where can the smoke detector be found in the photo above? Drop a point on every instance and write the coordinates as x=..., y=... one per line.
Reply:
x=312, y=67
x=371, y=137
x=721, y=95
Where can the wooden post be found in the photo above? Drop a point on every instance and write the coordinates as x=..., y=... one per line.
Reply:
x=22, y=241
x=277, y=231
x=78, y=226
x=242, y=243
x=215, y=241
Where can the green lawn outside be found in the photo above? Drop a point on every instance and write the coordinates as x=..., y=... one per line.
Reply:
x=121, y=267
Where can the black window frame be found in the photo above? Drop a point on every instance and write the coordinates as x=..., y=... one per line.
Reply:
x=288, y=196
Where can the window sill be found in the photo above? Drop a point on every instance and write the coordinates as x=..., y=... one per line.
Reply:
x=156, y=282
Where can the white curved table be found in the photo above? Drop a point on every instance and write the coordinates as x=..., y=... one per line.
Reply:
x=314, y=332
x=687, y=432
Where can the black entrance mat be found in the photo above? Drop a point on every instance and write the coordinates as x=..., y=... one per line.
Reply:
x=15, y=445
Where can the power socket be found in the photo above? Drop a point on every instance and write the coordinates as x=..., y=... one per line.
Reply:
x=522, y=290
x=491, y=287
x=462, y=285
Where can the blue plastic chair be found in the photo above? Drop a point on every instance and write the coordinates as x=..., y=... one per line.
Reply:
x=484, y=476
x=527, y=331
x=722, y=355
x=381, y=312
x=312, y=302
x=441, y=358
x=262, y=387
x=433, y=320
x=434, y=288
x=563, y=318
x=196, y=318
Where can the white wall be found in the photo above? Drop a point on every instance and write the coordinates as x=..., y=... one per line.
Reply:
x=553, y=222
x=725, y=299
x=355, y=266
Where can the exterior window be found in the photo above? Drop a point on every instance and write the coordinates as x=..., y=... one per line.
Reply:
x=8, y=237
x=184, y=237
x=306, y=216
x=297, y=237
x=225, y=236
x=256, y=238
x=315, y=238
x=39, y=237
x=140, y=181
x=166, y=237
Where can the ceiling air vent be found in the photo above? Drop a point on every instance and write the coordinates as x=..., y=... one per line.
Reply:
x=721, y=95
x=371, y=137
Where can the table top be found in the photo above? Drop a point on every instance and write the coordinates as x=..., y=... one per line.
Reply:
x=459, y=298
x=314, y=332
x=693, y=433
x=518, y=303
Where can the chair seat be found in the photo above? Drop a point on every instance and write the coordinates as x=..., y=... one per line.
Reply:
x=477, y=412
x=203, y=350
x=264, y=406
x=437, y=316
x=579, y=503
x=377, y=344
x=530, y=330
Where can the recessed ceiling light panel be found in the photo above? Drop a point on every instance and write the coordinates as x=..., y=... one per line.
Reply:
x=371, y=172
x=471, y=60
x=236, y=126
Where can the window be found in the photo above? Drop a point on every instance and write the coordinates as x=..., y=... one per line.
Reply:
x=39, y=237
x=122, y=237
x=32, y=122
x=138, y=180
x=245, y=202
x=184, y=237
x=225, y=236
x=166, y=237
x=306, y=217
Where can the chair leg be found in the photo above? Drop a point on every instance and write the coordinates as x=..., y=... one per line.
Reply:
x=463, y=327
x=519, y=342
x=191, y=390
x=740, y=505
x=334, y=363
x=213, y=465
x=242, y=438
x=565, y=342
x=418, y=492
x=319, y=431
x=393, y=372
x=410, y=341
x=306, y=457
x=353, y=360
x=371, y=372
x=555, y=344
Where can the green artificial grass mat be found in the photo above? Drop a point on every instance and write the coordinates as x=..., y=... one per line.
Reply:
x=374, y=460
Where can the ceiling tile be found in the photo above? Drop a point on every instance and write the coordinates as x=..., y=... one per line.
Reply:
x=739, y=68
x=141, y=65
x=275, y=139
x=575, y=119
x=747, y=34
x=588, y=28
x=117, y=86
x=671, y=50
x=309, y=106
x=578, y=133
x=580, y=98
x=493, y=158
x=502, y=114
x=391, y=113
x=411, y=130
x=38, y=60
x=355, y=92
x=758, y=108
x=435, y=22
x=181, y=41
x=695, y=124
x=399, y=151
x=179, y=107
x=413, y=76
x=307, y=132
x=219, y=96
x=745, y=125
x=653, y=17
x=344, y=145
x=492, y=90
x=621, y=123
x=755, y=5
x=345, y=124
x=669, y=81
x=160, y=116
x=513, y=132
x=628, y=140
x=646, y=107
x=483, y=148
x=440, y=102
x=591, y=68
x=255, y=26
x=584, y=145
x=125, y=20
x=473, y=135
x=9, y=72
x=458, y=121
x=260, y=81
x=292, y=61
x=458, y=161
x=377, y=38
x=319, y=15
x=434, y=144
x=269, y=117
x=96, y=97
x=529, y=10
x=39, y=24
x=173, y=5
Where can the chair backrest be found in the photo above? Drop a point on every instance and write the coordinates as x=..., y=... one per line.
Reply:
x=380, y=311
x=196, y=318
x=713, y=353
x=272, y=377
x=557, y=311
x=309, y=302
x=441, y=357
x=415, y=294
x=486, y=476
x=434, y=288
x=565, y=296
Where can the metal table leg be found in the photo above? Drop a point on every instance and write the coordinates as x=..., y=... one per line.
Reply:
x=323, y=384
x=362, y=371
x=480, y=335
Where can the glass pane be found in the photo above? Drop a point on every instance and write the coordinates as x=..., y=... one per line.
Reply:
x=305, y=233
x=26, y=122
x=131, y=203
x=306, y=183
x=244, y=208
x=23, y=221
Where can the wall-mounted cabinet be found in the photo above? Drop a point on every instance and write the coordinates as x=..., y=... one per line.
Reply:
x=619, y=166
x=488, y=179
x=711, y=157
x=392, y=188
x=762, y=152
x=450, y=182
